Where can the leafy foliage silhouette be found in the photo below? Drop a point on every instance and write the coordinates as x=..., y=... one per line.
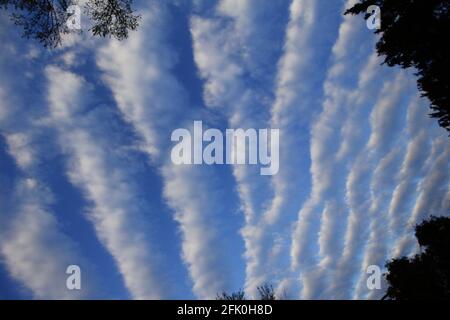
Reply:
x=414, y=33
x=427, y=274
x=45, y=20
x=265, y=292
x=238, y=295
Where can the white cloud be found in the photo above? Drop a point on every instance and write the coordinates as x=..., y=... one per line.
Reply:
x=323, y=214
x=33, y=245
x=150, y=98
x=19, y=145
x=374, y=172
x=297, y=92
x=116, y=216
x=35, y=252
x=234, y=60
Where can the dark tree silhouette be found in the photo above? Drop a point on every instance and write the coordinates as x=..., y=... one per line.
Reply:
x=45, y=20
x=427, y=274
x=265, y=292
x=238, y=295
x=414, y=33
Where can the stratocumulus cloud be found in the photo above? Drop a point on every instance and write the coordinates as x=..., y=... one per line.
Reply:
x=116, y=217
x=35, y=249
x=360, y=161
x=228, y=93
x=155, y=103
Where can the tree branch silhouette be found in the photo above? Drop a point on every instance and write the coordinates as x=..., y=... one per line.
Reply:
x=414, y=33
x=427, y=274
x=45, y=20
x=265, y=292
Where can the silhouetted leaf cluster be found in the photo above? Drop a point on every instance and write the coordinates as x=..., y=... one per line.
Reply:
x=45, y=20
x=265, y=292
x=112, y=18
x=414, y=33
x=427, y=274
x=238, y=295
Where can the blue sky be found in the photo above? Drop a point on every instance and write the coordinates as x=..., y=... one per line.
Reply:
x=86, y=176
